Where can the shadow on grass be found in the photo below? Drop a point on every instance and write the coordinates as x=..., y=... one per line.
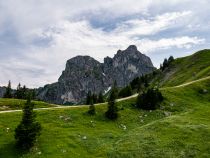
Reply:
x=10, y=151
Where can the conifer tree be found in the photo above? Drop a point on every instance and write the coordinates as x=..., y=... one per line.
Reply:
x=88, y=98
x=8, y=93
x=111, y=113
x=18, y=94
x=29, y=129
x=100, y=98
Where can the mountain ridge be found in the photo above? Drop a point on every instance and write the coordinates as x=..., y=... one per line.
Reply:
x=84, y=73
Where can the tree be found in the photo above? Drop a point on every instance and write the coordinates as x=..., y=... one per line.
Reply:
x=100, y=98
x=8, y=93
x=94, y=98
x=112, y=110
x=149, y=100
x=88, y=98
x=29, y=129
x=92, y=110
x=24, y=91
x=166, y=63
x=170, y=59
x=18, y=93
x=135, y=83
x=125, y=92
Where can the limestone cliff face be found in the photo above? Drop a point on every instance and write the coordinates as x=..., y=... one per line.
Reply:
x=83, y=74
x=126, y=65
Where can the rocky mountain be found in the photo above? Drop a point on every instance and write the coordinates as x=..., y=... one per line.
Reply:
x=83, y=74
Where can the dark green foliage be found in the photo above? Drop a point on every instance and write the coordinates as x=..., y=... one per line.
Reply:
x=170, y=59
x=149, y=100
x=29, y=129
x=140, y=83
x=23, y=92
x=100, y=98
x=88, y=98
x=166, y=63
x=94, y=98
x=92, y=110
x=8, y=93
x=18, y=93
x=125, y=92
x=135, y=83
x=111, y=113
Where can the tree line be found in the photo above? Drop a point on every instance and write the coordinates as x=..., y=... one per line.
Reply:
x=20, y=93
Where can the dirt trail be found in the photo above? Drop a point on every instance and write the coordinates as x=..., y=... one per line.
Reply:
x=133, y=96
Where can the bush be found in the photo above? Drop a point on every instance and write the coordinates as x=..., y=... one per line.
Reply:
x=149, y=100
x=29, y=129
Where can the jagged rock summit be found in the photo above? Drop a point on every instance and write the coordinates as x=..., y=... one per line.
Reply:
x=84, y=73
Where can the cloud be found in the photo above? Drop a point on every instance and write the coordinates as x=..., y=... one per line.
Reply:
x=152, y=26
x=37, y=37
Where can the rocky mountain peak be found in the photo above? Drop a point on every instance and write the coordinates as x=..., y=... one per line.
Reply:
x=84, y=73
x=132, y=48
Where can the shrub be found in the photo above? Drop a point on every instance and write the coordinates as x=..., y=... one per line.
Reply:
x=149, y=100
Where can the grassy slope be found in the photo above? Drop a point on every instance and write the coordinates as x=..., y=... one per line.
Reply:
x=186, y=133
x=187, y=69
x=13, y=104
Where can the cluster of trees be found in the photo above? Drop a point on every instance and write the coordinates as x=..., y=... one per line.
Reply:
x=125, y=92
x=112, y=110
x=29, y=129
x=140, y=83
x=19, y=93
x=94, y=98
x=166, y=63
x=149, y=100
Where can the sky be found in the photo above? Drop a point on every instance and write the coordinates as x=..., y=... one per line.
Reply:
x=37, y=37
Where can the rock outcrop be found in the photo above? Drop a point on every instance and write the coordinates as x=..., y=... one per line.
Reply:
x=83, y=74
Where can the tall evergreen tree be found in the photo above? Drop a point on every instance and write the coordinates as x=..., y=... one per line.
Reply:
x=88, y=98
x=29, y=129
x=8, y=93
x=18, y=93
x=100, y=98
x=170, y=59
x=111, y=113
x=94, y=98
x=24, y=92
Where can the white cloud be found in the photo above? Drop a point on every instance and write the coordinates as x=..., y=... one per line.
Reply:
x=152, y=26
x=66, y=28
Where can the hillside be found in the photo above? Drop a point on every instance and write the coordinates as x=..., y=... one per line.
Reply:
x=186, y=69
x=15, y=104
x=180, y=128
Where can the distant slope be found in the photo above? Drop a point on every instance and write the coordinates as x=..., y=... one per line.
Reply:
x=186, y=69
x=14, y=104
